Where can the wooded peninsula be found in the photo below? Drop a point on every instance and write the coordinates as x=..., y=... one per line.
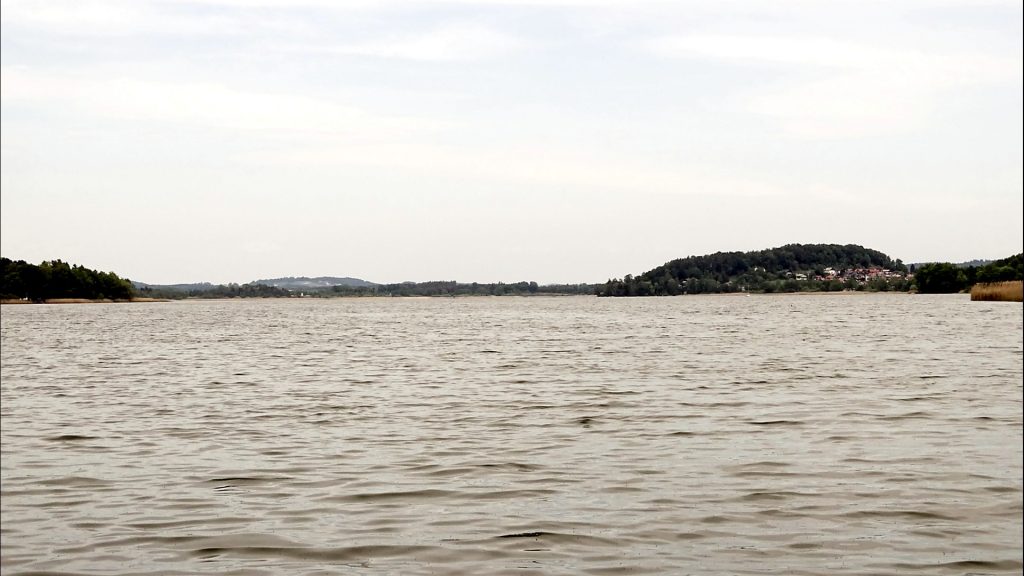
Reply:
x=56, y=279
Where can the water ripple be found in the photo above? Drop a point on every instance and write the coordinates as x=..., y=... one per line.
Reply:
x=710, y=435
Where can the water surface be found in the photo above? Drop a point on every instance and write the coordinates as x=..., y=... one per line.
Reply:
x=838, y=434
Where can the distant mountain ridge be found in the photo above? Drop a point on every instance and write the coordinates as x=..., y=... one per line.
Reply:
x=318, y=283
x=185, y=287
x=978, y=263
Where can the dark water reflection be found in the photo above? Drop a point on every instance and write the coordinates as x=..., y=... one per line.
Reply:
x=866, y=434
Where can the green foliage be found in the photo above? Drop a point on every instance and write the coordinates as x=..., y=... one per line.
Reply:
x=947, y=278
x=773, y=270
x=941, y=278
x=1004, y=270
x=58, y=279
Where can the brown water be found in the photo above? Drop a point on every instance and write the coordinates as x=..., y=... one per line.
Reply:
x=864, y=434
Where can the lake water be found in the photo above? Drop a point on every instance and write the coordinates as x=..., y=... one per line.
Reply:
x=827, y=434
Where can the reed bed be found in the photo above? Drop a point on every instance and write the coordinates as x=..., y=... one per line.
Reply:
x=1002, y=291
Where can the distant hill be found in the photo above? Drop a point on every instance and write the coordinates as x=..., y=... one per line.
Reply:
x=301, y=283
x=789, y=268
x=968, y=264
x=974, y=263
x=174, y=287
x=318, y=283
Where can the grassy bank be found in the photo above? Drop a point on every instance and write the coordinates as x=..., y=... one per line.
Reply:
x=1002, y=291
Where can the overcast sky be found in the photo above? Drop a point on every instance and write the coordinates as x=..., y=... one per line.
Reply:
x=229, y=140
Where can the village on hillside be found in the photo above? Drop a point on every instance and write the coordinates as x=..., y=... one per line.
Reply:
x=862, y=275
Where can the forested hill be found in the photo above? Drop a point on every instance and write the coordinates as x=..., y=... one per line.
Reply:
x=318, y=283
x=58, y=279
x=790, y=268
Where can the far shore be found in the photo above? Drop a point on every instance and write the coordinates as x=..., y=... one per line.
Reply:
x=837, y=292
x=83, y=301
x=374, y=296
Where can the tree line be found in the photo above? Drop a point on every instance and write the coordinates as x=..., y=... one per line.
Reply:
x=433, y=288
x=52, y=279
x=453, y=288
x=945, y=278
x=249, y=290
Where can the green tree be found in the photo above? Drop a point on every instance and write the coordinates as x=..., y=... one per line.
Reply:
x=940, y=278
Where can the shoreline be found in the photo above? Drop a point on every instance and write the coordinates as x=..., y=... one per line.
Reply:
x=143, y=300
x=6, y=302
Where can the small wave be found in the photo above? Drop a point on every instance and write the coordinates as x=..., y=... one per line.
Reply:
x=524, y=535
x=909, y=415
x=344, y=554
x=765, y=464
x=246, y=480
x=771, y=496
x=437, y=494
x=76, y=481
x=998, y=565
x=1001, y=489
x=915, y=514
x=71, y=438
x=562, y=538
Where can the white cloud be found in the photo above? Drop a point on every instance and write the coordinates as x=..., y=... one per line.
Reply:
x=919, y=64
x=452, y=39
x=87, y=15
x=200, y=104
x=829, y=88
x=536, y=165
x=764, y=50
x=451, y=42
x=119, y=18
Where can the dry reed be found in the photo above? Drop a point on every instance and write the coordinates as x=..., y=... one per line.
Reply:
x=1003, y=291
